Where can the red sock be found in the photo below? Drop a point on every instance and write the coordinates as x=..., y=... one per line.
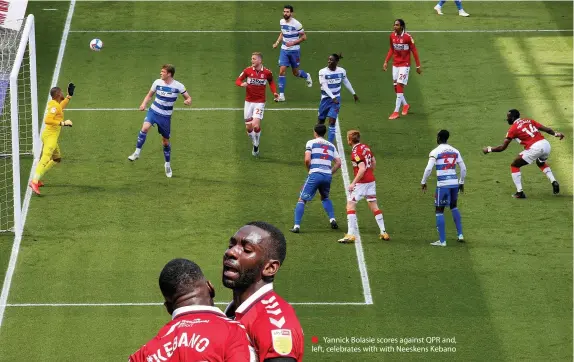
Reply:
x=400, y=88
x=257, y=129
x=378, y=212
x=514, y=169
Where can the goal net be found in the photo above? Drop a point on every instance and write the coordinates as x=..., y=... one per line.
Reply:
x=19, y=135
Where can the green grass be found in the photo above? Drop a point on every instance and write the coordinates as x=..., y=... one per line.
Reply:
x=104, y=227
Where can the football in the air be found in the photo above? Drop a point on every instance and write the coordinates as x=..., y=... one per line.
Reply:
x=96, y=45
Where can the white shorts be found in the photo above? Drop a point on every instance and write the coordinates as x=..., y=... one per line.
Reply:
x=253, y=110
x=401, y=74
x=366, y=191
x=540, y=150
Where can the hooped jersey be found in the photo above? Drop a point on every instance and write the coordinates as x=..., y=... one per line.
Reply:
x=361, y=153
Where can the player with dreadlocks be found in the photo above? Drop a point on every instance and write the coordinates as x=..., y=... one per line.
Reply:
x=331, y=77
x=402, y=44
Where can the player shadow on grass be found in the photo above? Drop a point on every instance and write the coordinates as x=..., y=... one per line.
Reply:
x=81, y=188
x=278, y=161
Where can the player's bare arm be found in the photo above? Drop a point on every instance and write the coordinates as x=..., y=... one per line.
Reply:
x=336, y=165
x=301, y=39
x=147, y=98
x=551, y=132
x=360, y=174
x=500, y=148
x=308, y=160
x=276, y=44
x=187, y=99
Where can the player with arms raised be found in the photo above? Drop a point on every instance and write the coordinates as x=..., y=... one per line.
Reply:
x=331, y=77
x=402, y=44
x=250, y=264
x=198, y=331
x=363, y=186
x=291, y=35
x=54, y=122
x=444, y=159
x=254, y=79
x=536, y=148
x=166, y=90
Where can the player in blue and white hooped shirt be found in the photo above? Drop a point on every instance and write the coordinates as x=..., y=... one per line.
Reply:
x=444, y=159
x=166, y=90
x=322, y=161
x=331, y=78
x=292, y=34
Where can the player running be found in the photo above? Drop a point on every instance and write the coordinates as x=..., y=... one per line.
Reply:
x=166, y=90
x=322, y=161
x=291, y=35
x=198, y=331
x=250, y=264
x=402, y=44
x=54, y=122
x=444, y=159
x=536, y=148
x=254, y=79
x=330, y=79
x=363, y=186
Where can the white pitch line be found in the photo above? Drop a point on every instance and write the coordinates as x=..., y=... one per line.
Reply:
x=26, y=203
x=334, y=31
x=25, y=305
x=186, y=109
x=358, y=244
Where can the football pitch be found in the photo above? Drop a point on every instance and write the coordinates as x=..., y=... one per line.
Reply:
x=84, y=286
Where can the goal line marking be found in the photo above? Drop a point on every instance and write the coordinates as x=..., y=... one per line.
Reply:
x=48, y=305
x=334, y=31
x=185, y=109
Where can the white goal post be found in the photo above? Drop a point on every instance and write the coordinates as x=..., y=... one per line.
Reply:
x=19, y=128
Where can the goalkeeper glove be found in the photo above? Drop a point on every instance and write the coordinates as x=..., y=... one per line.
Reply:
x=66, y=123
x=71, y=88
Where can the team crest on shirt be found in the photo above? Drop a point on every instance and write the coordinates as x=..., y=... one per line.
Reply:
x=282, y=341
x=53, y=110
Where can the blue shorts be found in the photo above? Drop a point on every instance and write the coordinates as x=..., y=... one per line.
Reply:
x=446, y=196
x=163, y=123
x=289, y=58
x=328, y=108
x=316, y=181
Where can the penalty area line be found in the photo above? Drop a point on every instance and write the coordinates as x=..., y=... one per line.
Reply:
x=49, y=305
x=184, y=109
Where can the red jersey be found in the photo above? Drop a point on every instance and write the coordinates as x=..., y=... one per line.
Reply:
x=271, y=323
x=362, y=153
x=256, y=81
x=198, y=333
x=401, y=47
x=525, y=131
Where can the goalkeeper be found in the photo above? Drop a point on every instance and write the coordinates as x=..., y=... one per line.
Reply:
x=54, y=121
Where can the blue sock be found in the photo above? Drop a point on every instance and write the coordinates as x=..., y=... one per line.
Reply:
x=440, y=227
x=302, y=74
x=299, y=210
x=332, y=132
x=167, y=152
x=328, y=206
x=458, y=4
x=141, y=139
x=457, y=220
x=282, y=84
x=441, y=3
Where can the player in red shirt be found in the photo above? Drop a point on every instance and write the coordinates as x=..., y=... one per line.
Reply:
x=198, y=331
x=255, y=78
x=402, y=44
x=363, y=186
x=527, y=132
x=252, y=260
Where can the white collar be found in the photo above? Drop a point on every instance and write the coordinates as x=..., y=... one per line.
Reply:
x=196, y=308
x=255, y=296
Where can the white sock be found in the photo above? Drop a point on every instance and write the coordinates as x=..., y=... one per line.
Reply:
x=403, y=99
x=380, y=222
x=281, y=95
x=351, y=222
x=548, y=172
x=517, y=178
x=167, y=164
x=398, y=101
x=138, y=150
x=252, y=136
x=257, y=138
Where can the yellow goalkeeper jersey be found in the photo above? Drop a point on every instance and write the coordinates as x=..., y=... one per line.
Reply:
x=55, y=115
